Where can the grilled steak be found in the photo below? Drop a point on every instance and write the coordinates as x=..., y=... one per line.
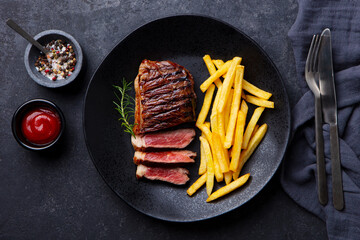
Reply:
x=164, y=96
x=172, y=175
x=182, y=156
x=179, y=138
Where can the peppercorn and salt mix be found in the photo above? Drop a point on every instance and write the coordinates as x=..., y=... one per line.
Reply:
x=59, y=63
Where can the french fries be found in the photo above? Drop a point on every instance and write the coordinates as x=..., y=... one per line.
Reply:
x=245, y=155
x=211, y=68
x=196, y=185
x=259, y=102
x=210, y=165
x=228, y=109
x=206, y=105
x=229, y=188
x=251, y=125
x=218, y=63
x=219, y=152
x=227, y=136
x=234, y=107
x=205, y=85
x=203, y=158
x=227, y=84
x=236, y=150
x=255, y=90
x=206, y=130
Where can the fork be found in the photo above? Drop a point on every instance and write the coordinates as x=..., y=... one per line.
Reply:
x=312, y=79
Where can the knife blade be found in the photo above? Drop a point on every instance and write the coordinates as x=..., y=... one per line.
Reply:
x=329, y=109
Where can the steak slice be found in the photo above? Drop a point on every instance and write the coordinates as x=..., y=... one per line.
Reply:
x=182, y=156
x=164, y=96
x=178, y=139
x=176, y=176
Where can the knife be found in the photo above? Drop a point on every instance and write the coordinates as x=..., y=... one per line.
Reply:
x=329, y=109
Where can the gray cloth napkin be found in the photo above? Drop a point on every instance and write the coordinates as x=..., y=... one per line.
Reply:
x=299, y=168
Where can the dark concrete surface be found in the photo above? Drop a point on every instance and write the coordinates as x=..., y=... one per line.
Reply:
x=60, y=195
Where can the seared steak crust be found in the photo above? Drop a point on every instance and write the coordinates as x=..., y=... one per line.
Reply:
x=164, y=97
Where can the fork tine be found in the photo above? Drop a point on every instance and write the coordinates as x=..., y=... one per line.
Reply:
x=310, y=54
x=316, y=52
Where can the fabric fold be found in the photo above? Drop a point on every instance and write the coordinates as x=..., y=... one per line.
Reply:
x=299, y=167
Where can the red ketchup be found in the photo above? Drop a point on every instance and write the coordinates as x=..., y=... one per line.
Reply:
x=41, y=126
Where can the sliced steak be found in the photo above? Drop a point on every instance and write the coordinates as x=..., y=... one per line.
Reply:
x=177, y=176
x=178, y=139
x=164, y=96
x=166, y=157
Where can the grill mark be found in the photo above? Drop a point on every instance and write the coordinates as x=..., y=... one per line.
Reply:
x=161, y=81
x=166, y=98
x=172, y=120
x=164, y=75
x=158, y=109
x=166, y=93
x=160, y=116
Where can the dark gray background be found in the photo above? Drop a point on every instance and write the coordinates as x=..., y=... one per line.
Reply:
x=61, y=195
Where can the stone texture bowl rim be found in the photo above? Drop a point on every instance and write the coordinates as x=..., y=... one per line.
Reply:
x=42, y=80
x=22, y=109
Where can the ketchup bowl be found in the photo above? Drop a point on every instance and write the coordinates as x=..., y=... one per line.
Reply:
x=38, y=124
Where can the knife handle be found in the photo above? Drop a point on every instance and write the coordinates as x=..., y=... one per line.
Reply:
x=338, y=195
x=320, y=156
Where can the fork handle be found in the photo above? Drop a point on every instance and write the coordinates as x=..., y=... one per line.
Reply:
x=338, y=196
x=320, y=157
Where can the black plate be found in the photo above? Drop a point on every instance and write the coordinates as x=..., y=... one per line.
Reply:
x=184, y=40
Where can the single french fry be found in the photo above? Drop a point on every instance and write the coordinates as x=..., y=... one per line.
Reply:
x=218, y=63
x=227, y=84
x=221, y=126
x=255, y=129
x=206, y=130
x=210, y=165
x=228, y=177
x=228, y=109
x=214, y=123
x=206, y=105
x=250, y=127
x=235, y=107
x=250, y=88
x=219, y=176
x=229, y=188
x=259, y=102
x=211, y=68
x=219, y=152
x=216, y=101
x=226, y=154
x=244, y=108
x=236, y=150
x=203, y=160
x=254, y=142
x=196, y=185
x=243, y=96
x=206, y=84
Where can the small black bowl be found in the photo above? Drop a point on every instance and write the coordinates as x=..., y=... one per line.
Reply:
x=32, y=54
x=19, y=115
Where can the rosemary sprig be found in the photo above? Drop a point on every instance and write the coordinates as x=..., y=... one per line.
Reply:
x=125, y=106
